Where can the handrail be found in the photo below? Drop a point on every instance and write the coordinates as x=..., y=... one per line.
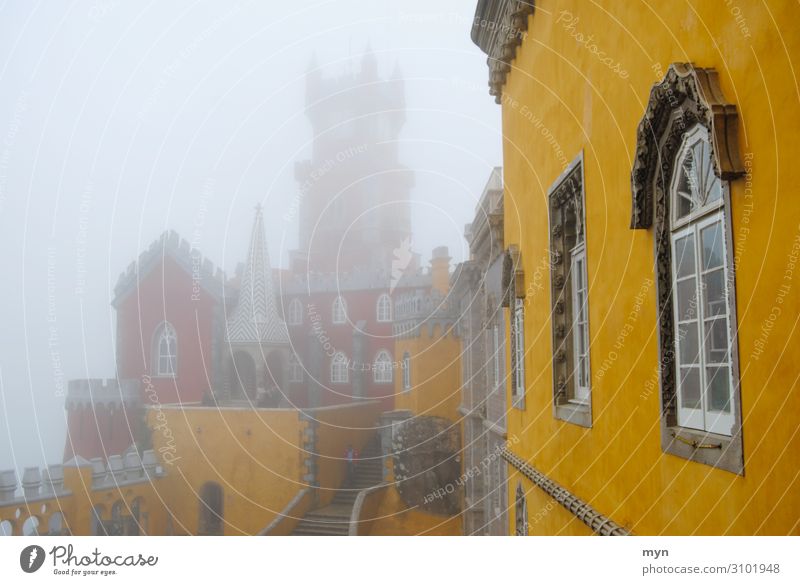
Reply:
x=358, y=504
x=285, y=513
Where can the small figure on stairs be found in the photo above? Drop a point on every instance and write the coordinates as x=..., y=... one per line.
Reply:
x=351, y=456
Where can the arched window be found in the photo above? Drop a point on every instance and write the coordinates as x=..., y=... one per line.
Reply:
x=406, y=371
x=211, y=509
x=384, y=309
x=295, y=316
x=295, y=369
x=117, y=527
x=6, y=528
x=31, y=526
x=701, y=307
x=382, y=368
x=339, y=311
x=339, y=369
x=165, y=351
x=685, y=159
x=521, y=513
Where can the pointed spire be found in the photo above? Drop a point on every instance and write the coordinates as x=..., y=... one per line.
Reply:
x=255, y=318
x=369, y=64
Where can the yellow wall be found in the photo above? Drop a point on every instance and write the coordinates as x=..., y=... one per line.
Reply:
x=76, y=506
x=255, y=455
x=435, y=375
x=618, y=465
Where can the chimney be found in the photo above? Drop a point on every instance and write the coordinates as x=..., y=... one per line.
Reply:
x=440, y=269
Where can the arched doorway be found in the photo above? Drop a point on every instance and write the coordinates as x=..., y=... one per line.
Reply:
x=211, y=510
x=242, y=376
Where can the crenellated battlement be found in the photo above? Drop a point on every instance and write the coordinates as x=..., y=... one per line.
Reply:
x=48, y=482
x=181, y=250
x=420, y=308
x=96, y=391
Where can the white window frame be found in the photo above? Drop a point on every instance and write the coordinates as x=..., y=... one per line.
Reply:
x=383, y=309
x=581, y=393
x=406, y=372
x=339, y=311
x=340, y=370
x=295, y=316
x=518, y=333
x=382, y=368
x=722, y=423
x=693, y=224
x=164, y=330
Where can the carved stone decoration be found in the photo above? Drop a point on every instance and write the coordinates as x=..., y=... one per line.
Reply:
x=566, y=230
x=513, y=276
x=686, y=96
x=499, y=29
x=426, y=461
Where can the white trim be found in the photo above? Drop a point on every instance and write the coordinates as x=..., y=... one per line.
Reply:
x=382, y=368
x=581, y=393
x=339, y=369
x=719, y=422
x=383, y=309
x=406, y=372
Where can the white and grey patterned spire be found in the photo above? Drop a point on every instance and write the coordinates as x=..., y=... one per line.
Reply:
x=255, y=318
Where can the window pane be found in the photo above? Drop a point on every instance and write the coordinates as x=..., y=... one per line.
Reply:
x=716, y=341
x=690, y=388
x=719, y=395
x=714, y=293
x=684, y=255
x=687, y=341
x=715, y=190
x=712, y=246
x=687, y=300
x=685, y=187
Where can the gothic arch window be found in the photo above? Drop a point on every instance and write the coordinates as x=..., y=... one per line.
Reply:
x=384, y=309
x=340, y=373
x=687, y=152
x=295, y=312
x=211, y=509
x=521, y=513
x=339, y=311
x=569, y=315
x=406, y=371
x=382, y=368
x=165, y=351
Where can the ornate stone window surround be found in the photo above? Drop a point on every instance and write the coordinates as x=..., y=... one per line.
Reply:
x=566, y=203
x=514, y=299
x=688, y=96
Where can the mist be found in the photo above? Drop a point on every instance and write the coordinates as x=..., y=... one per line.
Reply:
x=119, y=121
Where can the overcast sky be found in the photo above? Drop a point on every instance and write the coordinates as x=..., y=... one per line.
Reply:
x=119, y=120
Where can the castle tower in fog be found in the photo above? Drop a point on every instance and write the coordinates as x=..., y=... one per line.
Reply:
x=353, y=194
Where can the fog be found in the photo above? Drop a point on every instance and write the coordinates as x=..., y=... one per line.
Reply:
x=121, y=120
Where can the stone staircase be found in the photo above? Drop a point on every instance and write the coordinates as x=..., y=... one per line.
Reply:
x=334, y=519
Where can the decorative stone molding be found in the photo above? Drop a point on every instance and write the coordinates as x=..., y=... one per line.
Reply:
x=566, y=217
x=513, y=276
x=498, y=29
x=687, y=95
x=597, y=522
